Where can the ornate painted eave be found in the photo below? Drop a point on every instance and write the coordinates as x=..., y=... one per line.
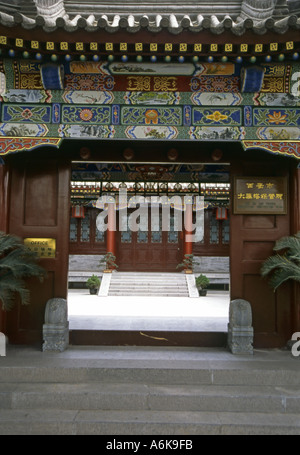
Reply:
x=237, y=17
x=191, y=71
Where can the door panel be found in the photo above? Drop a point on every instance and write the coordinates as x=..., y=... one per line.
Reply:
x=149, y=251
x=40, y=196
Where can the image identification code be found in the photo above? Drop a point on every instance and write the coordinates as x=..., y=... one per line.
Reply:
x=160, y=444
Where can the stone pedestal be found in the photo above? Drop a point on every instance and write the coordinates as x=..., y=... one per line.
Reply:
x=240, y=330
x=56, y=327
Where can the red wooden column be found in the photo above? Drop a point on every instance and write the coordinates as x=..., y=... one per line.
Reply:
x=188, y=227
x=111, y=228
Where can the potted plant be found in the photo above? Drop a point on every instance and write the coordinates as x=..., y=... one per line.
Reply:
x=93, y=284
x=285, y=264
x=187, y=264
x=16, y=263
x=201, y=283
x=109, y=259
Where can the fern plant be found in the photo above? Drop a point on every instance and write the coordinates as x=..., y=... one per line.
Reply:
x=285, y=264
x=17, y=263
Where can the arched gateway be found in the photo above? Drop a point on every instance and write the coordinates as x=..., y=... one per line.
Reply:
x=194, y=100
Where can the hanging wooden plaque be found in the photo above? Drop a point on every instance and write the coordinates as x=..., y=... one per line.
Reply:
x=260, y=195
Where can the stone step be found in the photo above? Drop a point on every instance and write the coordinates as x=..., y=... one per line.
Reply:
x=95, y=422
x=148, y=287
x=185, y=373
x=150, y=279
x=150, y=284
x=148, y=274
x=148, y=391
x=146, y=280
x=141, y=294
x=135, y=396
x=144, y=294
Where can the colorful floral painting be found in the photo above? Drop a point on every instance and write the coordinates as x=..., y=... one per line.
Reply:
x=155, y=116
x=77, y=114
x=24, y=113
x=207, y=116
x=276, y=117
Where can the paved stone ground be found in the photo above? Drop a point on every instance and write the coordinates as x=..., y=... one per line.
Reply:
x=208, y=313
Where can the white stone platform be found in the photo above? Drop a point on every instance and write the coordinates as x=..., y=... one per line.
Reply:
x=92, y=312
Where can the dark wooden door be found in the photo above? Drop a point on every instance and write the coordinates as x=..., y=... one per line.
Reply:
x=39, y=208
x=252, y=241
x=152, y=250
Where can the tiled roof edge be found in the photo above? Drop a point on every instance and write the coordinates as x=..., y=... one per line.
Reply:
x=154, y=23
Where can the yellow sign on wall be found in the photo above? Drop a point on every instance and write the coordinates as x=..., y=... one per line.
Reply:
x=45, y=248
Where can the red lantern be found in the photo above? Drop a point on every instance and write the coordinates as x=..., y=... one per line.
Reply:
x=78, y=211
x=217, y=154
x=221, y=213
x=85, y=153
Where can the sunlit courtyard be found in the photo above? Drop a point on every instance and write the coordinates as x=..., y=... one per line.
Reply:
x=92, y=312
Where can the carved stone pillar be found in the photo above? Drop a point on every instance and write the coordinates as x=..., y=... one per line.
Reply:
x=56, y=327
x=240, y=330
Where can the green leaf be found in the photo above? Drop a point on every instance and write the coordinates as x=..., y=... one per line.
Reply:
x=285, y=266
